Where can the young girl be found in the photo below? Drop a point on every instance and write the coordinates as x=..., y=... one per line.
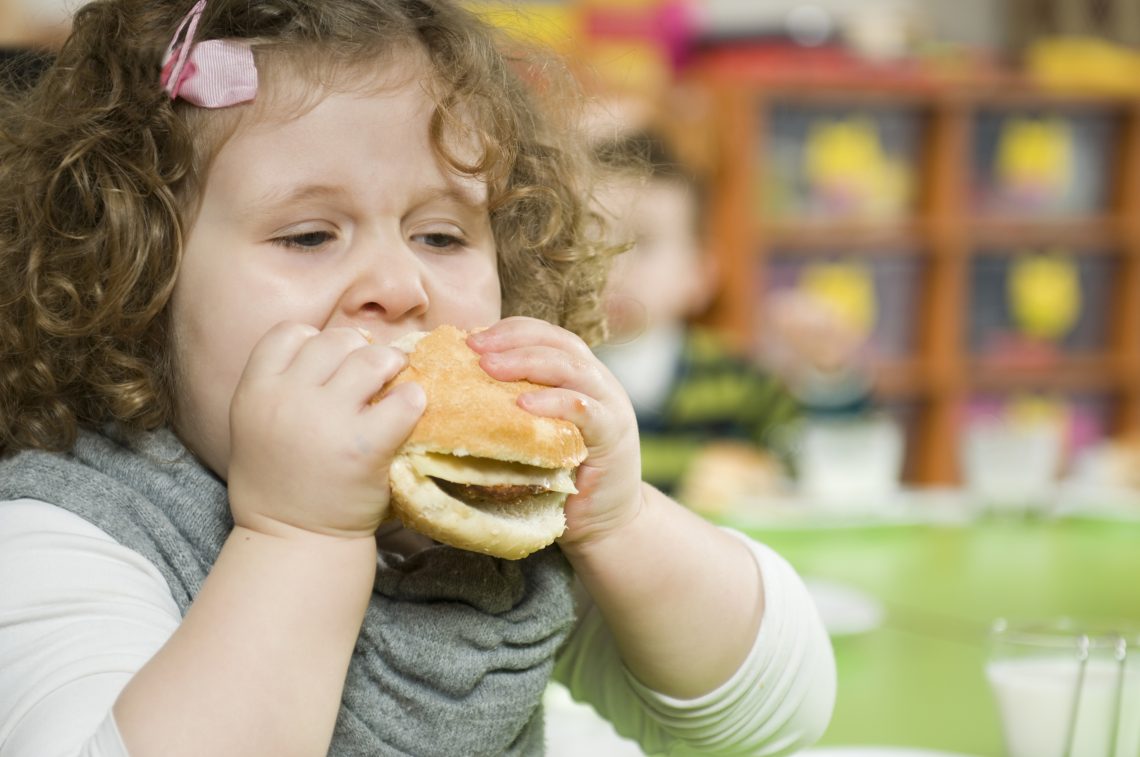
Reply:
x=213, y=221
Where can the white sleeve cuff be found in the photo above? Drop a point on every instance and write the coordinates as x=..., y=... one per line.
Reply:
x=792, y=662
x=778, y=701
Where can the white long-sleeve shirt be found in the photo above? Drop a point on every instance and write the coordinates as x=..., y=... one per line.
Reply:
x=80, y=614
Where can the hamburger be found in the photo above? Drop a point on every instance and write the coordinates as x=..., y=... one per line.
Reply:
x=478, y=472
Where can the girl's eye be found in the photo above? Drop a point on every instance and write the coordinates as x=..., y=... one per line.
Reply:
x=441, y=241
x=308, y=240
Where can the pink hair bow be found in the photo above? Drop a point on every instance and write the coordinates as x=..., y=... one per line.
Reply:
x=214, y=73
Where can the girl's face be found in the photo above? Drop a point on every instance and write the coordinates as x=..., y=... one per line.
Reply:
x=341, y=216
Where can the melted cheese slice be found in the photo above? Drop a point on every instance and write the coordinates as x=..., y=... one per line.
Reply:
x=481, y=471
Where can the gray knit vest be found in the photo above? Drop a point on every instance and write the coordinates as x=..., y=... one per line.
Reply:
x=455, y=649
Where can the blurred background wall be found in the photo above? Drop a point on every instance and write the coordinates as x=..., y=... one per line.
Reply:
x=970, y=21
x=961, y=179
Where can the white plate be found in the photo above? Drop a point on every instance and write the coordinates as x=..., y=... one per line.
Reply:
x=877, y=751
x=845, y=610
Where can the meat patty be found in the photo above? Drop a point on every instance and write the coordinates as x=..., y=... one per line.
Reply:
x=499, y=495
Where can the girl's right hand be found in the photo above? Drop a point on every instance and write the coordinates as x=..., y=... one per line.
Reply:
x=309, y=448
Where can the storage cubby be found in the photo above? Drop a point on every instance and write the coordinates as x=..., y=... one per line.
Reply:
x=997, y=226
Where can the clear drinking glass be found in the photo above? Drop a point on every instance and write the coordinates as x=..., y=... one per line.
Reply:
x=1064, y=689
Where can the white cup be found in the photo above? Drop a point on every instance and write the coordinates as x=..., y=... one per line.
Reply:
x=1066, y=692
x=1012, y=466
x=850, y=463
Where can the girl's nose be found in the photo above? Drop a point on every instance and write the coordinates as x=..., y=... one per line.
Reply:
x=387, y=286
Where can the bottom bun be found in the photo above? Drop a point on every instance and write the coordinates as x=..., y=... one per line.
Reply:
x=511, y=531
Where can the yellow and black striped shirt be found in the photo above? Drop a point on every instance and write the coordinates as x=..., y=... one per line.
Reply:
x=715, y=395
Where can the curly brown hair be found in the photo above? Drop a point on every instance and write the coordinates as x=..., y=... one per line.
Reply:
x=100, y=174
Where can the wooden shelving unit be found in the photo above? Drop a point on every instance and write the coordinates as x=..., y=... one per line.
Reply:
x=945, y=230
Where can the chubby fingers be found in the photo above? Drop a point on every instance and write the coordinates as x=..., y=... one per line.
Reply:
x=362, y=372
x=303, y=352
x=389, y=421
x=527, y=348
x=276, y=350
x=594, y=419
x=342, y=364
x=519, y=331
x=583, y=391
x=309, y=356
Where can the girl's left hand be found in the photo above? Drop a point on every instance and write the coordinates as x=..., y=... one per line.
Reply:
x=584, y=392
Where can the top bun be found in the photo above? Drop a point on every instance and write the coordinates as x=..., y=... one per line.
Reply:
x=469, y=413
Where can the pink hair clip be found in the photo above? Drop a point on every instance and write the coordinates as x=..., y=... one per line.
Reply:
x=214, y=73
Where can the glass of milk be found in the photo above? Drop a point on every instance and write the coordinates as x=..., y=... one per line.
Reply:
x=1065, y=690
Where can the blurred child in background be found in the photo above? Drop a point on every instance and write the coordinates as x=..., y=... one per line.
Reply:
x=714, y=421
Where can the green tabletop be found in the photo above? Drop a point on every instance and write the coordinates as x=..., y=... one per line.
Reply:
x=917, y=680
